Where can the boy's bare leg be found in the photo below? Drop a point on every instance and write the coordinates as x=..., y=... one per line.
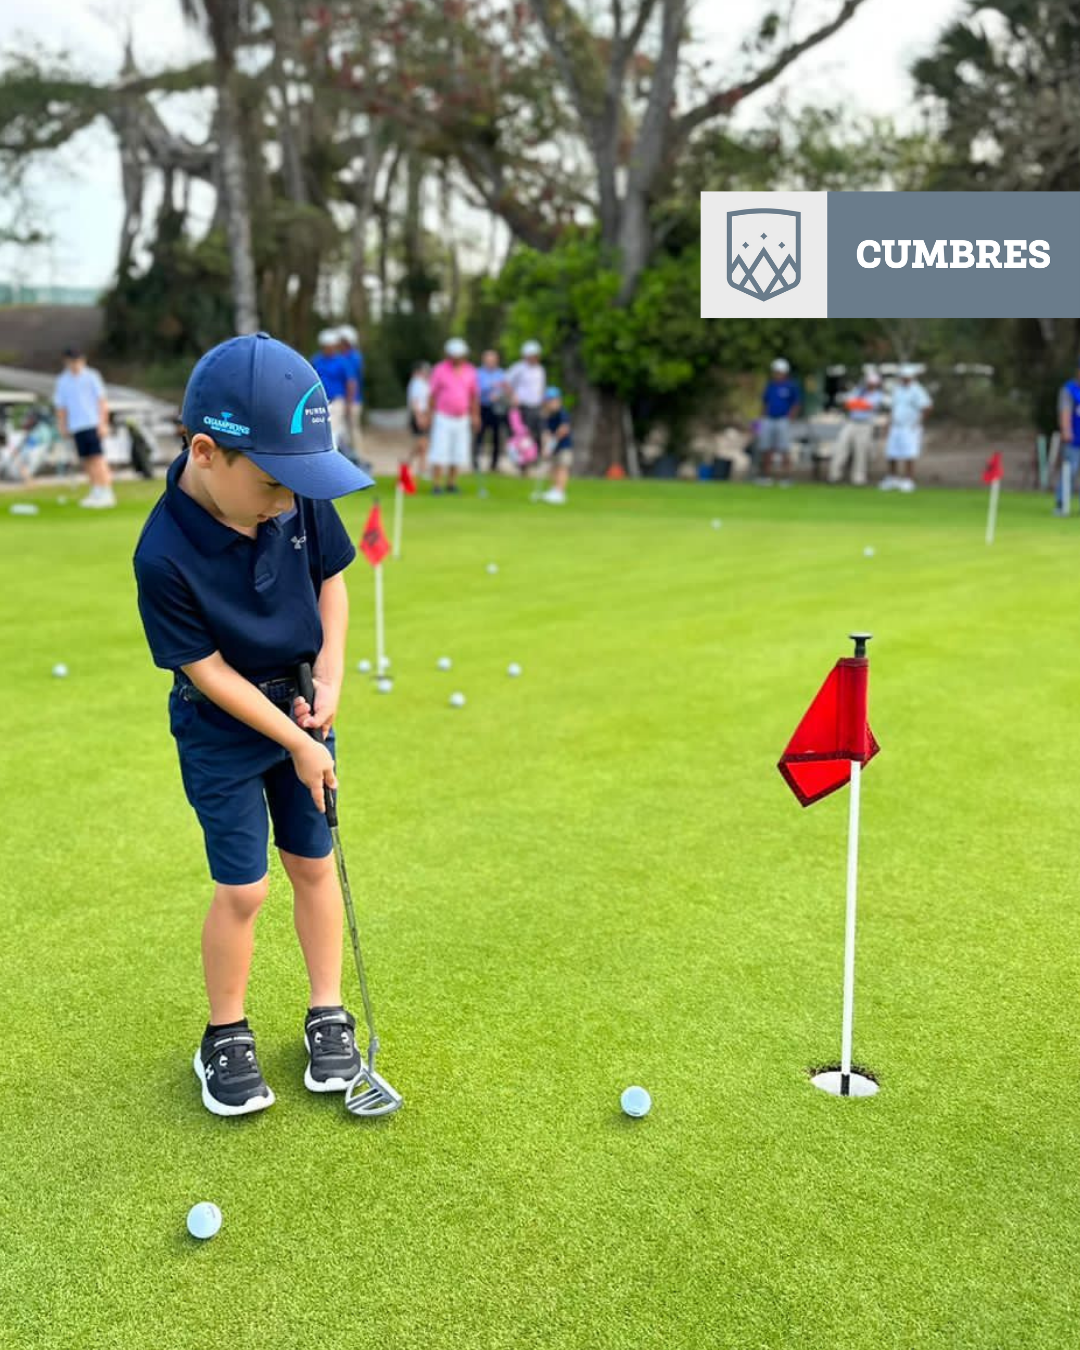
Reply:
x=97, y=470
x=561, y=477
x=317, y=913
x=228, y=936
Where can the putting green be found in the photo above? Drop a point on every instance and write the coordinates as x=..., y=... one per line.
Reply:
x=587, y=877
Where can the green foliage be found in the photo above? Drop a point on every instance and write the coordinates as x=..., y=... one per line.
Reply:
x=179, y=306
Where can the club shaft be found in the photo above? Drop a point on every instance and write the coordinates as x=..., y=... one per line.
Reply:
x=350, y=914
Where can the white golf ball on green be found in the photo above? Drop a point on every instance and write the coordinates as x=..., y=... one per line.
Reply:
x=59, y=670
x=384, y=684
x=492, y=569
x=457, y=700
x=635, y=1101
x=444, y=663
x=203, y=1220
x=513, y=670
x=868, y=552
x=364, y=667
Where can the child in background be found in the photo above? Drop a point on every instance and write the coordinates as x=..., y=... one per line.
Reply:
x=558, y=446
x=418, y=399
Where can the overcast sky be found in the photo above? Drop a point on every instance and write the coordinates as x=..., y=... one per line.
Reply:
x=865, y=65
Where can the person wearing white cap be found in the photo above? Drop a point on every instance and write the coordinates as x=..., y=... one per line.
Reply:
x=862, y=404
x=348, y=340
x=454, y=396
x=527, y=380
x=910, y=404
x=332, y=371
x=780, y=403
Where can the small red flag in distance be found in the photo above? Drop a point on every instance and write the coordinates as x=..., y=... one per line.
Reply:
x=995, y=470
x=406, y=481
x=833, y=732
x=374, y=544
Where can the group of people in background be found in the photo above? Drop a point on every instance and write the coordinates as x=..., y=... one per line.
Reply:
x=909, y=403
x=339, y=364
x=456, y=408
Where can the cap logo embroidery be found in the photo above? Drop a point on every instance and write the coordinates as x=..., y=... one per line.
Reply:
x=226, y=425
x=297, y=424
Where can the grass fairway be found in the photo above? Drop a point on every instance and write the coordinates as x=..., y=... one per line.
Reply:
x=588, y=877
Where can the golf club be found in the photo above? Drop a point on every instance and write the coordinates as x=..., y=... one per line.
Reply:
x=369, y=1094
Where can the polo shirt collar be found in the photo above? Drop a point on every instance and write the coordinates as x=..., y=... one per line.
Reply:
x=206, y=533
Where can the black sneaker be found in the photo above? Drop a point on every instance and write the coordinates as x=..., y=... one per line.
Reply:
x=333, y=1059
x=228, y=1069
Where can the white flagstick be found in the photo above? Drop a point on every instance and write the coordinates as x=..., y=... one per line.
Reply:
x=380, y=649
x=399, y=503
x=991, y=519
x=849, y=931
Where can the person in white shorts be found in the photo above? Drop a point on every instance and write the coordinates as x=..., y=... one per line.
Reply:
x=455, y=415
x=857, y=433
x=910, y=404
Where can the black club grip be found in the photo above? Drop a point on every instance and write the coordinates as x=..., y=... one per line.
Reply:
x=305, y=684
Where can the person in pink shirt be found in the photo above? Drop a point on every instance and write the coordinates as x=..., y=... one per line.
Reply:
x=454, y=399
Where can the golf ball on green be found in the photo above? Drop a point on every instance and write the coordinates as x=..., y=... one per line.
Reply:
x=364, y=667
x=60, y=670
x=384, y=684
x=203, y=1220
x=444, y=663
x=457, y=700
x=635, y=1101
x=492, y=568
x=513, y=669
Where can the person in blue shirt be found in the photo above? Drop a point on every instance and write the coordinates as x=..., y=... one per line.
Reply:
x=240, y=579
x=353, y=358
x=1069, y=426
x=558, y=446
x=780, y=403
x=494, y=401
x=332, y=370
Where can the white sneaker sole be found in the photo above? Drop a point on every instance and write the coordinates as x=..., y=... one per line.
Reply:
x=220, y=1108
x=313, y=1084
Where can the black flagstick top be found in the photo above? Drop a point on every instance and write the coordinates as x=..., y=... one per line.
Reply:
x=860, y=640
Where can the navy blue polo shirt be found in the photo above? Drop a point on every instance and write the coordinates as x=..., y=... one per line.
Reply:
x=780, y=397
x=204, y=587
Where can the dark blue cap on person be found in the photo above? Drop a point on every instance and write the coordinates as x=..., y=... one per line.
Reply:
x=257, y=395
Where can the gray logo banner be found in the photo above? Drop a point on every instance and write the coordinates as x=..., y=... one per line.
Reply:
x=953, y=255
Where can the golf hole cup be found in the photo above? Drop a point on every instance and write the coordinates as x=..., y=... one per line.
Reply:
x=635, y=1102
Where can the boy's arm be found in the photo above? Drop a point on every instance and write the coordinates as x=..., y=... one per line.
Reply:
x=214, y=677
x=329, y=669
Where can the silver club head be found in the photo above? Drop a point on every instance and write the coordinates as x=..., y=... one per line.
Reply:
x=369, y=1094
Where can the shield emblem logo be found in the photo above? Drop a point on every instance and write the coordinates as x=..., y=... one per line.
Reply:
x=763, y=252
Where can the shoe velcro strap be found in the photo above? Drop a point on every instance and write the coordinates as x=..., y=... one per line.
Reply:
x=233, y=1038
x=340, y=1016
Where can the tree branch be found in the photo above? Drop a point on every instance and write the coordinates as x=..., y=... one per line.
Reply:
x=725, y=99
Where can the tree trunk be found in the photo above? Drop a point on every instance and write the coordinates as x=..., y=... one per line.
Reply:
x=364, y=201
x=234, y=182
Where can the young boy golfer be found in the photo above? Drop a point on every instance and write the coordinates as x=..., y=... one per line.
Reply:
x=239, y=570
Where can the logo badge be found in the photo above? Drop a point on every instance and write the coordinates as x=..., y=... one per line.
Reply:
x=763, y=252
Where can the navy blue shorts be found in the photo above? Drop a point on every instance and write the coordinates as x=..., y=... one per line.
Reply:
x=239, y=781
x=88, y=443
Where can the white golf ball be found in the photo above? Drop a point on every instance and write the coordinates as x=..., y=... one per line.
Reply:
x=203, y=1220
x=513, y=669
x=457, y=700
x=60, y=670
x=716, y=524
x=24, y=509
x=444, y=663
x=635, y=1101
x=364, y=667
x=868, y=552
x=492, y=569
x=384, y=684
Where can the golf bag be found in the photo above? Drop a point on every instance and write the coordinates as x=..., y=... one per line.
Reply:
x=521, y=447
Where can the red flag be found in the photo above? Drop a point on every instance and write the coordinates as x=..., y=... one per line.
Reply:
x=406, y=481
x=834, y=731
x=374, y=544
x=995, y=470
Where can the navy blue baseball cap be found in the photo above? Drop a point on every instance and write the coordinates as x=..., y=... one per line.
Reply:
x=254, y=394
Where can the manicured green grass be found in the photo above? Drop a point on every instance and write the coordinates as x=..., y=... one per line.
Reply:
x=588, y=877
